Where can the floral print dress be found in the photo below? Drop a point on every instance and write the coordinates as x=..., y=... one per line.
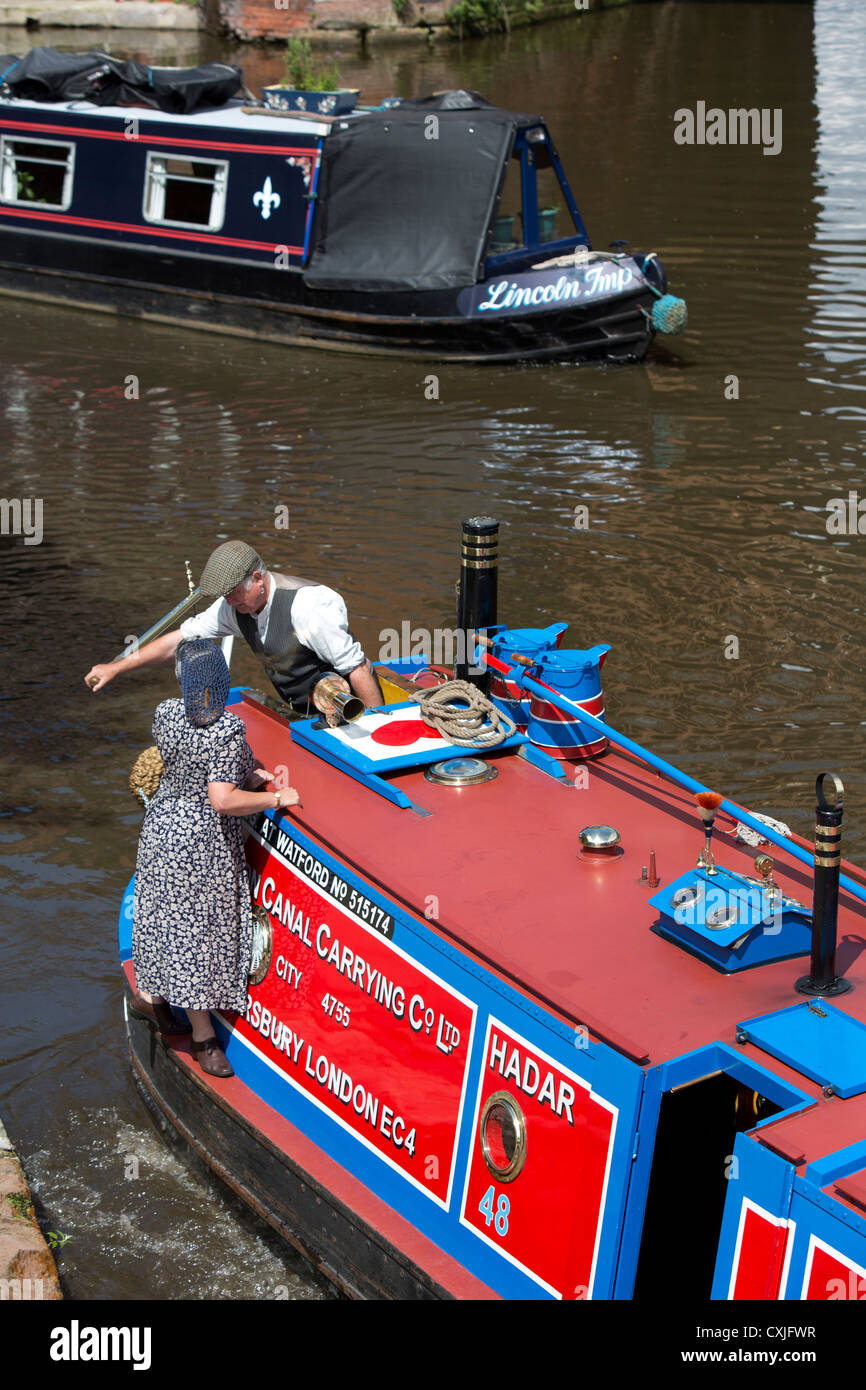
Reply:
x=192, y=923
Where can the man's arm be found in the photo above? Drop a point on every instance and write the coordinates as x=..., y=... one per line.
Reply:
x=154, y=654
x=215, y=622
x=321, y=622
x=366, y=686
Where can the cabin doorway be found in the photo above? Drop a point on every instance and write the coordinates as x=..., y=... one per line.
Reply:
x=692, y=1164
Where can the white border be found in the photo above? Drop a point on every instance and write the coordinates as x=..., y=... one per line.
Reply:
x=587, y=1086
x=311, y=1096
x=11, y=138
x=815, y=1242
x=778, y=1221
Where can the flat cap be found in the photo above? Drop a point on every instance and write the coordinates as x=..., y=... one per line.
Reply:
x=226, y=567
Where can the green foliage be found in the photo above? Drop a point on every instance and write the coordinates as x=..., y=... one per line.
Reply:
x=305, y=75
x=57, y=1238
x=477, y=17
x=401, y=9
x=471, y=17
x=26, y=185
x=19, y=1202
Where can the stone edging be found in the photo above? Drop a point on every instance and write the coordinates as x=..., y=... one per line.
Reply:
x=27, y=1268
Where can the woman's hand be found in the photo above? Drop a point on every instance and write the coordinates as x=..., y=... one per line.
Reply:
x=258, y=778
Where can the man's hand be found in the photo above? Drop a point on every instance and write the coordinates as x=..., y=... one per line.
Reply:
x=98, y=676
x=161, y=649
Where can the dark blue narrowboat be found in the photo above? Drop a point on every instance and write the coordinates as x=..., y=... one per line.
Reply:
x=170, y=195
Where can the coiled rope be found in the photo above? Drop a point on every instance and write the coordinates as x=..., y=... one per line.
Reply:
x=464, y=716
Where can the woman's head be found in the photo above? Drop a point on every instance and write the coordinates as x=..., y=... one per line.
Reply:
x=204, y=680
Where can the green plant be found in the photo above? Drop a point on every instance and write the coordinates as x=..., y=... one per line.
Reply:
x=305, y=75
x=19, y=1202
x=25, y=185
x=474, y=17
x=56, y=1238
x=401, y=9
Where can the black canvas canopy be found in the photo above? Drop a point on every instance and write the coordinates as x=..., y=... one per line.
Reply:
x=406, y=196
x=44, y=74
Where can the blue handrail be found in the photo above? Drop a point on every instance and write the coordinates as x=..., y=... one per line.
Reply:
x=518, y=675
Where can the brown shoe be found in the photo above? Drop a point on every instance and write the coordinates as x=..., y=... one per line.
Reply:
x=159, y=1012
x=211, y=1057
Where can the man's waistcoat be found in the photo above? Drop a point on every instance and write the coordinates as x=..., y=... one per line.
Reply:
x=293, y=669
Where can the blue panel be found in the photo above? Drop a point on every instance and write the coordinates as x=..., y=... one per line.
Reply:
x=837, y=1165
x=353, y=759
x=761, y=1177
x=731, y=921
x=817, y=1040
x=124, y=922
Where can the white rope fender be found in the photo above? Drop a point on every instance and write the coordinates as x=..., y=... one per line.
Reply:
x=464, y=716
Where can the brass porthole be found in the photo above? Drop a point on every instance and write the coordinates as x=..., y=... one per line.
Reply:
x=263, y=945
x=503, y=1136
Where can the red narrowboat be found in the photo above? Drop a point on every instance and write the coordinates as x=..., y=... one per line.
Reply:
x=544, y=1018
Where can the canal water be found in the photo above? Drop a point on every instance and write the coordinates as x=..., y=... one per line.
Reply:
x=735, y=617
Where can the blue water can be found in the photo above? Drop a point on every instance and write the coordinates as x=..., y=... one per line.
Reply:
x=522, y=641
x=577, y=676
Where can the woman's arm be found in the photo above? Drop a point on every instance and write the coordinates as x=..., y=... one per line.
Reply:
x=229, y=800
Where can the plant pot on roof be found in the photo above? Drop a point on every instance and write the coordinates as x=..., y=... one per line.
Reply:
x=310, y=86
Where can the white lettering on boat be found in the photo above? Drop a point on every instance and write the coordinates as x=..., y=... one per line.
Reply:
x=595, y=282
x=524, y=1072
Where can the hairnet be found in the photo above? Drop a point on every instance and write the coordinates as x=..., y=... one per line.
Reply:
x=204, y=680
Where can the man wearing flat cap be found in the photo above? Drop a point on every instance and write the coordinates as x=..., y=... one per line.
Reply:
x=297, y=628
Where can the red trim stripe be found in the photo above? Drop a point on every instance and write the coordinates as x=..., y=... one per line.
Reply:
x=150, y=229
x=22, y=129
x=542, y=710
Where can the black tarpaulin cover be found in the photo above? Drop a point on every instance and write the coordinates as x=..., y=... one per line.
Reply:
x=399, y=210
x=43, y=74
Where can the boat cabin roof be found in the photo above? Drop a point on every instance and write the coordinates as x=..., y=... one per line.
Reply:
x=234, y=116
x=503, y=862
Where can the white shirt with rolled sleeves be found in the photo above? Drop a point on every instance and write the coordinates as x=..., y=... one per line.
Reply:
x=319, y=618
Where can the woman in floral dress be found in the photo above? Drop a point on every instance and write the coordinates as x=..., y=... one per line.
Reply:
x=192, y=922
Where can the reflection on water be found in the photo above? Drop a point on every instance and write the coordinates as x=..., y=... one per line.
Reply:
x=706, y=473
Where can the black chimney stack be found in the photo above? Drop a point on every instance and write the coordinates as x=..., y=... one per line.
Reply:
x=822, y=978
x=476, y=593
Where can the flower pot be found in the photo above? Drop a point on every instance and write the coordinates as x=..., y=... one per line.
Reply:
x=319, y=103
x=503, y=233
x=547, y=223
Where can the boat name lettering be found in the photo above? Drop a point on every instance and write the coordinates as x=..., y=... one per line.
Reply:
x=306, y=864
x=527, y=292
x=526, y=1075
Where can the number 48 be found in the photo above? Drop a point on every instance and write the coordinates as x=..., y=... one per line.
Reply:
x=503, y=1207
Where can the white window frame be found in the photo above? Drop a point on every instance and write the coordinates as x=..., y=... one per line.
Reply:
x=155, y=176
x=9, y=173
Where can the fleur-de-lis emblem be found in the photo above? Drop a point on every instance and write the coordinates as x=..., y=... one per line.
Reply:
x=267, y=198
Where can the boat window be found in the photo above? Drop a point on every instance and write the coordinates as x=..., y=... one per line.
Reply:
x=508, y=227
x=185, y=192
x=36, y=171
